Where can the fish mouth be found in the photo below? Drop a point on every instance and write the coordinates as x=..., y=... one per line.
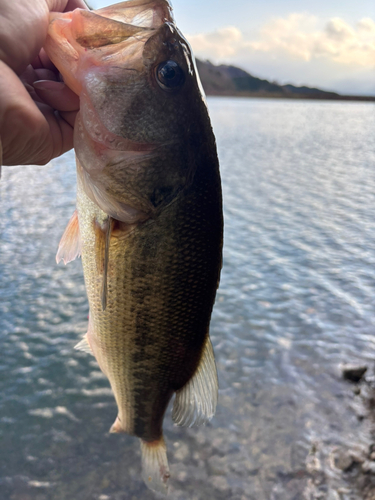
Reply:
x=117, y=23
x=116, y=34
x=141, y=13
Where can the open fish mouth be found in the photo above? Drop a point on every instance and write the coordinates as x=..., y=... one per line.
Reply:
x=119, y=23
x=142, y=13
x=116, y=35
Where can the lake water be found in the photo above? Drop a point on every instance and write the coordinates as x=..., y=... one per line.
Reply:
x=296, y=298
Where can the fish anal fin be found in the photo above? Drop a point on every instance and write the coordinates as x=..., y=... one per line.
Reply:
x=195, y=403
x=155, y=469
x=83, y=345
x=117, y=427
x=70, y=243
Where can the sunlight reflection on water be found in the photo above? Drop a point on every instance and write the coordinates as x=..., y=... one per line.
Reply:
x=296, y=298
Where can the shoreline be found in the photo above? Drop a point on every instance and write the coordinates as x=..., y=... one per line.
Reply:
x=274, y=95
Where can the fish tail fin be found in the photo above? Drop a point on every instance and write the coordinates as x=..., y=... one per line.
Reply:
x=155, y=469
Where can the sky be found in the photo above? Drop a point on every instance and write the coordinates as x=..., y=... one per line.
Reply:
x=328, y=44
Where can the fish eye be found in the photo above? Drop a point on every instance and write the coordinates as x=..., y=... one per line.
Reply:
x=169, y=75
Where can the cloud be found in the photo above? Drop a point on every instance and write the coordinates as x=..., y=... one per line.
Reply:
x=299, y=37
x=221, y=44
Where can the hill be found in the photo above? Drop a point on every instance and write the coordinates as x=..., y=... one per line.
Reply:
x=227, y=80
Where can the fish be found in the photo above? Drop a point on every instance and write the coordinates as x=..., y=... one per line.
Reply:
x=148, y=222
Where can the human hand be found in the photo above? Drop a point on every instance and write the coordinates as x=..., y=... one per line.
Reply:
x=37, y=112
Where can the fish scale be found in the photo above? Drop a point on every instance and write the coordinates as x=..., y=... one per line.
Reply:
x=149, y=220
x=152, y=312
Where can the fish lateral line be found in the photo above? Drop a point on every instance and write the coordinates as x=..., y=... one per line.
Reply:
x=104, y=290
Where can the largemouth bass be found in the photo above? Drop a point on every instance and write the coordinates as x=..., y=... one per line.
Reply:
x=149, y=221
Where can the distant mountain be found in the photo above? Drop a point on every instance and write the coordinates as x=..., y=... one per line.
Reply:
x=232, y=81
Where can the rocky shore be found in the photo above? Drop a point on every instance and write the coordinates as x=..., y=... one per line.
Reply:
x=352, y=466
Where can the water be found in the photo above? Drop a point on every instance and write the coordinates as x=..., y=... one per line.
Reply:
x=296, y=299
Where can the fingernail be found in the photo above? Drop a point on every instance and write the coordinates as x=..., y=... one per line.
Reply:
x=48, y=85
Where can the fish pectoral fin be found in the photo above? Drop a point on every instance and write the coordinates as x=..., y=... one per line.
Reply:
x=155, y=469
x=102, y=243
x=83, y=345
x=70, y=243
x=195, y=403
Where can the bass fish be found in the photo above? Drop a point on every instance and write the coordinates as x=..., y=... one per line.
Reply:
x=148, y=222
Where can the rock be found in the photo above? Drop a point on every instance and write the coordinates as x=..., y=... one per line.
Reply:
x=341, y=459
x=182, y=452
x=353, y=372
x=218, y=466
x=368, y=466
x=219, y=483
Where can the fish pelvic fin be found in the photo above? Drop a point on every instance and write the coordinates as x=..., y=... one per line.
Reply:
x=155, y=469
x=70, y=243
x=195, y=403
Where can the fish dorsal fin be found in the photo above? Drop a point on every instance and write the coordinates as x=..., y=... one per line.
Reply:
x=195, y=403
x=155, y=470
x=70, y=243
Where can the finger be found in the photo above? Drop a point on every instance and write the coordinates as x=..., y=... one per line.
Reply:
x=37, y=63
x=23, y=129
x=75, y=4
x=45, y=61
x=65, y=6
x=45, y=74
x=66, y=136
x=34, y=96
x=57, y=95
x=69, y=116
x=61, y=132
x=28, y=76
